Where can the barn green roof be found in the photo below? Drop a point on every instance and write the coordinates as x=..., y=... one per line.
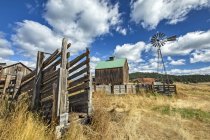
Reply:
x=116, y=63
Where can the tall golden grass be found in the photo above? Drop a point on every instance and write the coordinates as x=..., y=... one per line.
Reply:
x=144, y=116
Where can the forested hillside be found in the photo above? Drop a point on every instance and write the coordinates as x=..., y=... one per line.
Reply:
x=174, y=78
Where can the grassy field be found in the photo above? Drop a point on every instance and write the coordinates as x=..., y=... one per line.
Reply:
x=126, y=117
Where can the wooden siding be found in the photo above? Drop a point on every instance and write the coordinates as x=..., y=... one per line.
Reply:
x=126, y=73
x=12, y=70
x=109, y=76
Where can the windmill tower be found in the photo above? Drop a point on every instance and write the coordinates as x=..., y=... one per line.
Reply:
x=158, y=40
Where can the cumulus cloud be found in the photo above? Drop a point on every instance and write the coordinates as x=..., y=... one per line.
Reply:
x=200, y=56
x=176, y=62
x=131, y=51
x=187, y=43
x=149, y=13
x=5, y=47
x=30, y=64
x=32, y=37
x=204, y=70
x=82, y=21
x=93, y=62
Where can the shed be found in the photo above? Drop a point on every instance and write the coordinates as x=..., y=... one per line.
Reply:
x=112, y=71
x=145, y=81
x=10, y=77
x=14, y=68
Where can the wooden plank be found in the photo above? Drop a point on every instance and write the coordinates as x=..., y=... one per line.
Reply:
x=27, y=86
x=30, y=75
x=7, y=81
x=78, y=81
x=83, y=86
x=86, y=69
x=55, y=102
x=51, y=58
x=26, y=82
x=47, y=73
x=50, y=76
x=53, y=65
x=18, y=83
x=46, y=90
x=47, y=98
x=79, y=65
x=77, y=59
x=79, y=97
x=50, y=80
x=37, y=81
x=90, y=95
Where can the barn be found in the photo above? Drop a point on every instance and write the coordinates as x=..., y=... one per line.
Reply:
x=10, y=77
x=14, y=68
x=112, y=71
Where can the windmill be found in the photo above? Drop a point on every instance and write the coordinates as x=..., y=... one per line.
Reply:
x=158, y=40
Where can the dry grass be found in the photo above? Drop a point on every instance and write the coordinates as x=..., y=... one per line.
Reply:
x=19, y=124
x=145, y=116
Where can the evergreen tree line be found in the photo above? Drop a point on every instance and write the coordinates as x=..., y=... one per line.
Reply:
x=174, y=78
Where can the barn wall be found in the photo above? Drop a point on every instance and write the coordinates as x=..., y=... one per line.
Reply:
x=13, y=69
x=109, y=76
x=126, y=73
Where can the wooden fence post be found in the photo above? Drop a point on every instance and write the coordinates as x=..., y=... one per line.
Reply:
x=37, y=84
x=55, y=103
x=62, y=111
x=90, y=87
x=18, y=82
x=7, y=81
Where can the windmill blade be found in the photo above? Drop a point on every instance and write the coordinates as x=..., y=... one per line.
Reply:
x=162, y=35
x=172, y=38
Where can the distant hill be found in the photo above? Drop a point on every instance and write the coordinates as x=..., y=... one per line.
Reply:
x=174, y=78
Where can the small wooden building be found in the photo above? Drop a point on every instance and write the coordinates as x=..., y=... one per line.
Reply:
x=145, y=81
x=10, y=77
x=112, y=71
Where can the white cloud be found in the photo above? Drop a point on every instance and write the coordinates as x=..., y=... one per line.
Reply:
x=131, y=51
x=5, y=47
x=30, y=64
x=32, y=37
x=187, y=43
x=82, y=21
x=204, y=70
x=200, y=56
x=176, y=62
x=121, y=30
x=93, y=62
x=149, y=13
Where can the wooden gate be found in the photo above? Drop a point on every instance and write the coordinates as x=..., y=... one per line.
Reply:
x=80, y=84
x=58, y=86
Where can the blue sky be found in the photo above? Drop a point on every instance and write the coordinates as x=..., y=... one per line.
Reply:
x=112, y=27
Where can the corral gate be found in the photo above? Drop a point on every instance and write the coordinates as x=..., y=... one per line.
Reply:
x=58, y=85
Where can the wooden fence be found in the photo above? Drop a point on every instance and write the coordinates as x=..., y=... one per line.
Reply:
x=116, y=89
x=131, y=88
x=59, y=85
x=165, y=89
